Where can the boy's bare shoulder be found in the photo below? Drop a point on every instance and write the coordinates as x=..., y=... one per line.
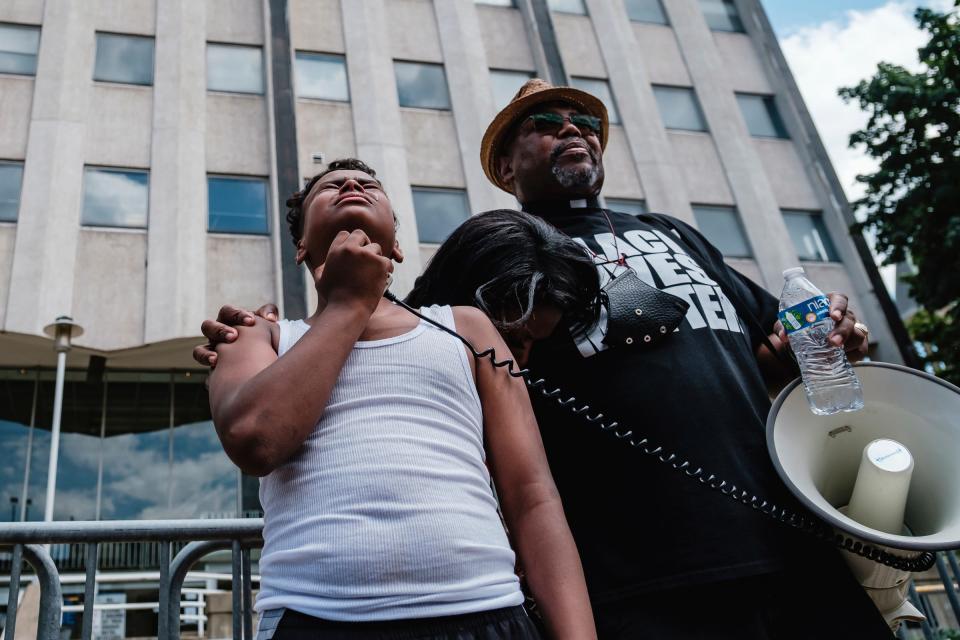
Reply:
x=472, y=321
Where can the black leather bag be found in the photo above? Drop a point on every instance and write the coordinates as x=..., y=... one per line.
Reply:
x=639, y=315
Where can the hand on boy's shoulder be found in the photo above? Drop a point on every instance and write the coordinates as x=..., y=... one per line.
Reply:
x=260, y=331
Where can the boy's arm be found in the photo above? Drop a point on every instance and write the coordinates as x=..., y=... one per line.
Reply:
x=528, y=496
x=264, y=407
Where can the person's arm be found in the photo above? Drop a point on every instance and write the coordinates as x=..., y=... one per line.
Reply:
x=264, y=407
x=528, y=497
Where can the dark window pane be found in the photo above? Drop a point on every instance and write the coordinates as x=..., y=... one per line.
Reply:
x=679, y=108
x=320, y=75
x=234, y=68
x=127, y=59
x=505, y=85
x=568, y=6
x=137, y=470
x=11, y=177
x=18, y=49
x=439, y=212
x=721, y=15
x=624, y=205
x=421, y=85
x=809, y=236
x=600, y=89
x=721, y=226
x=646, y=11
x=16, y=401
x=114, y=198
x=237, y=205
x=761, y=115
x=204, y=481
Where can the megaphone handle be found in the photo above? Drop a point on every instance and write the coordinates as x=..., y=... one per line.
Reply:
x=808, y=523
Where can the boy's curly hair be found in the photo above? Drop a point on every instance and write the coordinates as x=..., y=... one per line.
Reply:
x=295, y=203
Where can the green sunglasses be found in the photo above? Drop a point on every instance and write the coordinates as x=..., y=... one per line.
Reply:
x=551, y=123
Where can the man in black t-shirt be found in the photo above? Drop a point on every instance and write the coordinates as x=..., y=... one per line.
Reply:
x=664, y=556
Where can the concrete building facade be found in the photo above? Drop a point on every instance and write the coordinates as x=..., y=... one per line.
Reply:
x=237, y=102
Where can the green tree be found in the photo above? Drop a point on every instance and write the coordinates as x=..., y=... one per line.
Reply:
x=912, y=200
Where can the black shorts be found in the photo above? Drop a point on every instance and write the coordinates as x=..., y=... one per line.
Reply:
x=789, y=605
x=499, y=624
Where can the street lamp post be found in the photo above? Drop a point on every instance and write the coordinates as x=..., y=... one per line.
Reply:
x=63, y=330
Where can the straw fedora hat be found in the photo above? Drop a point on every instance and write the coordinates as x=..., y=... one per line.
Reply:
x=532, y=93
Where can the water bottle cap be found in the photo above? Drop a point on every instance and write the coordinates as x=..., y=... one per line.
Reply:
x=792, y=271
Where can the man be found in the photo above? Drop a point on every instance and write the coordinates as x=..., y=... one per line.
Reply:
x=663, y=555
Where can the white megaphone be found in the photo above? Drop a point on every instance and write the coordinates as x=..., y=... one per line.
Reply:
x=900, y=452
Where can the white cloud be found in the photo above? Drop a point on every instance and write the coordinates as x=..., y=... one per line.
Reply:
x=840, y=53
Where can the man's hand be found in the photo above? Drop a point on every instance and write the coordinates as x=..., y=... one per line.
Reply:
x=222, y=329
x=845, y=332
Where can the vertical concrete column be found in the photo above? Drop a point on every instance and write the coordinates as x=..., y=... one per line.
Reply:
x=177, y=234
x=649, y=144
x=468, y=79
x=754, y=196
x=44, y=256
x=378, y=128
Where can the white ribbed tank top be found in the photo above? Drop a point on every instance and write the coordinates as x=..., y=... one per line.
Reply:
x=386, y=512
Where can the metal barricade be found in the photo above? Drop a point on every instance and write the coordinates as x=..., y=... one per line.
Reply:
x=30, y=542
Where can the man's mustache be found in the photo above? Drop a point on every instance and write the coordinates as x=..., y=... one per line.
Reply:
x=563, y=145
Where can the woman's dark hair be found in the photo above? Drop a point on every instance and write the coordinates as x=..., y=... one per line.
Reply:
x=505, y=262
x=295, y=203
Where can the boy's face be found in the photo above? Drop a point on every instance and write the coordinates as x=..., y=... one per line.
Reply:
x=346, y=200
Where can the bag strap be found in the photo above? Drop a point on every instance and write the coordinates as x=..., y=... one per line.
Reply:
x=695, y=245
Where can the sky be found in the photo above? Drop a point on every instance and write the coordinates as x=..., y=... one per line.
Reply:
x=835, y=43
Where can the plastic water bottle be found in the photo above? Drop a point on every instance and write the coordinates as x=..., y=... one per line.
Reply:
x=829, y=380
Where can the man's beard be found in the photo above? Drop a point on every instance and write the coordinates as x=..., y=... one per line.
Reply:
x=574, y=177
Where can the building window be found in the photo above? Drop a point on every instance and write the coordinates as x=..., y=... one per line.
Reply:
x=322, y=76
x=626, y=205
x=421, y=85
x=809, y=235
x=11, y=177
x=721, y=226
x=123, y=58
x=18, y=49
x=115, y=197
x=646, y=11
x=721, y=15
x=237, y=205
x=599, y=89
x=761, y=115
x=497, y=3
x=234, y=68
x=679, y=108
x=506, y=84
x=568, y=6
x=439, y=212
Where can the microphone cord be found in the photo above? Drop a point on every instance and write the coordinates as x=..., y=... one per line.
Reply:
x=802, y=522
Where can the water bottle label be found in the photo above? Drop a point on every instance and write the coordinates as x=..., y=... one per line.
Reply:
x=804, y=314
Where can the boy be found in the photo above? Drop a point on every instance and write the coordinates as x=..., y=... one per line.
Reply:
x=371, y=434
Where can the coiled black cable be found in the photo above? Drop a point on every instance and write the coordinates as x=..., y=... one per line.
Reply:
x=802, y=522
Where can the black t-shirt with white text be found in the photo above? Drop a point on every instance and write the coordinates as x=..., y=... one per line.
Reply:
x=640, y=525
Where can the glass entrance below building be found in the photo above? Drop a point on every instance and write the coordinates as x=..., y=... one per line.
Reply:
x=133, y=445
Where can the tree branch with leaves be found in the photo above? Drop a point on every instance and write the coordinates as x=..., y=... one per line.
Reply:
x=912, y=200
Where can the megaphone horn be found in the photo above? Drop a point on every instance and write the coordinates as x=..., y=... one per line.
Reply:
x=906, y=435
